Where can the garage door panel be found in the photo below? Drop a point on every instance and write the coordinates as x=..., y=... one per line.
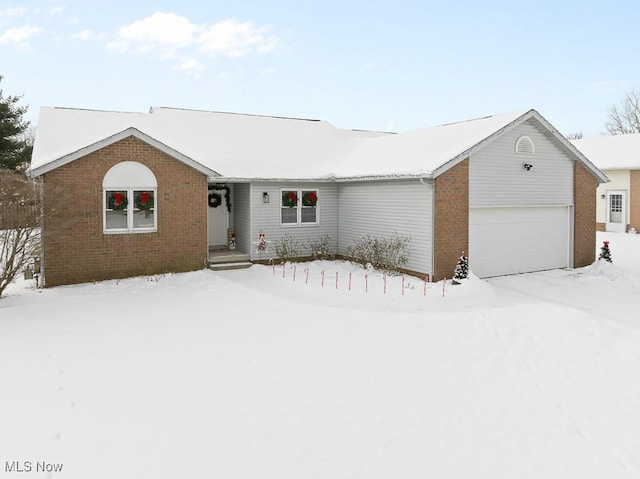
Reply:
x=515, y=240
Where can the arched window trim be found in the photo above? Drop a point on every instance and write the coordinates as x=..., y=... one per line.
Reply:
x=129, y=192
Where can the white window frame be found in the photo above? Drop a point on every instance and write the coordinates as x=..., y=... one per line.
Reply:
x=299, y=207
x=129, y=177
x=130, y=209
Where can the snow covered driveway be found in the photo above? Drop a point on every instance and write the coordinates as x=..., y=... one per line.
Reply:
x=601, y=290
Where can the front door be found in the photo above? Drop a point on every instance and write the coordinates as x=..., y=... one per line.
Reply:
x=616, y=211
x=217, y=217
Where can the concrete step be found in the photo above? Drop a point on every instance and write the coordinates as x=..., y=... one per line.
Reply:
x=229, y=258
x=227, y=266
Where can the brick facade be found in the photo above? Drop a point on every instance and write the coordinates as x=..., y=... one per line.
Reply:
x=76, y=249
x=451, y=219
x=634, y=200
x=584, y=198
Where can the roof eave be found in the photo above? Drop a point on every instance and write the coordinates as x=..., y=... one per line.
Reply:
x=599, y=175
x=323, y=179
x=482, y=143
x=68, y=158
x=268, y=179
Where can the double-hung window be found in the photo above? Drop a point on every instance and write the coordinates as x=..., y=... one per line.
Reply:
x=129, y=199
x=299, y=207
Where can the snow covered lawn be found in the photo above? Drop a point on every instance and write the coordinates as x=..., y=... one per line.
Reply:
x=246, y=374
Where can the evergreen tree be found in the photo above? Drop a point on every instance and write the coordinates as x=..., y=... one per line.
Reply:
x=15, y=144
x=462, y=269
x=605, y=253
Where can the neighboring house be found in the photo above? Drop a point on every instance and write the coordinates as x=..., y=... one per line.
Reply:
x=618, y=202
x=128, y=193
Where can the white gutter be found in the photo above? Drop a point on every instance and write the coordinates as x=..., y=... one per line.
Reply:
x=333, y=179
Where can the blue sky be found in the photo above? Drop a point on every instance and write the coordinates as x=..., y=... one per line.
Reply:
x=368, y=65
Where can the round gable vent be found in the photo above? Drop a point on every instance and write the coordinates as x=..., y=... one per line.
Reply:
x=524, y=145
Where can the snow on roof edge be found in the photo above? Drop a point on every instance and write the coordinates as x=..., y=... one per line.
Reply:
x=131, y=131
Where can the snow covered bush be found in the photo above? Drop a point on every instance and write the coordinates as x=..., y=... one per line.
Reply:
x=287, y=248
x=388, y=254
x=321, y=248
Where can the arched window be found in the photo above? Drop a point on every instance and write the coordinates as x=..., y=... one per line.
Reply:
x=129, y=194
x=524, y=145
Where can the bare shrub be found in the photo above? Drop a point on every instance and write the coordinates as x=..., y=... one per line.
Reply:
x=321, y=248
x=287, y=247
x=20, y=238
x=388, y=254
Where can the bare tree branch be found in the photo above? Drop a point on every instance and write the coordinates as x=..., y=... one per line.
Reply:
x=625, y=119
x=19, y=226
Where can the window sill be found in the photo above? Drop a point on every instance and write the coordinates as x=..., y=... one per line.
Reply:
x=298, y=225
x=125, y=232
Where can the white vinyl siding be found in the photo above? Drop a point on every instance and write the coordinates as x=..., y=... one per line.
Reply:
x=620, y=181
x=383, y=208
x=497, y=176
x=266, y=217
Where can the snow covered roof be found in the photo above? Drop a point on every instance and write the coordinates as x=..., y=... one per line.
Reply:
x=240, y=146
x=612, y=152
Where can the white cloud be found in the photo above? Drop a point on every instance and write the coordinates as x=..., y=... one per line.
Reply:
x=161, y=32
x=56, y=10
x=171, y=36
x=86, y=35
x=13, y=12
x=192, y=67
x=19, y=36
x=233, y=39
x=268, y=71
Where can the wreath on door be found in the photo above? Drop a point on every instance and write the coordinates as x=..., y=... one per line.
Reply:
x=215, y=199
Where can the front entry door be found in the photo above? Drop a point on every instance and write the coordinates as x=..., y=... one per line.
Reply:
x=616, y=211
x=217, y=218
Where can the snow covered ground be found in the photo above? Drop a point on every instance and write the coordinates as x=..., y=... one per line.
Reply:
x=246, y=374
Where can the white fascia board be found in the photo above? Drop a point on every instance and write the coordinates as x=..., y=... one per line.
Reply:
x=236, y=179
x=332, y=179
x=52, y=165
x=408, y=176
x=600, y=176
x=481, y=144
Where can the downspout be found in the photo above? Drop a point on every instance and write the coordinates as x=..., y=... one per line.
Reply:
x=251, y=221
x=430, y=186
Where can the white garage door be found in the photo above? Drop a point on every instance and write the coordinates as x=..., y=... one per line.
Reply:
x=518, y=240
